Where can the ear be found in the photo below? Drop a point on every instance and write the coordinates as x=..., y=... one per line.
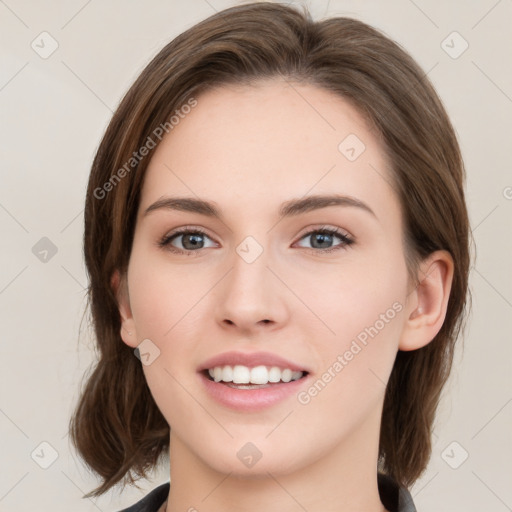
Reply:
x=428, y=301
x=120, y=288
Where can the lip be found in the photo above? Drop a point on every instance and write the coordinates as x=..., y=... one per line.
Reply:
x=251, y=359
x=250, y=400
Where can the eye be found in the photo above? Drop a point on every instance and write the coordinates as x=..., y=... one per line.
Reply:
x=192, y=240
x=321, y=239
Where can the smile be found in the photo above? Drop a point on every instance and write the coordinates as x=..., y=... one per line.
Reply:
x=259, y=375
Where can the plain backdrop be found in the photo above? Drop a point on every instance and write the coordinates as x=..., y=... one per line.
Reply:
x=64, y=67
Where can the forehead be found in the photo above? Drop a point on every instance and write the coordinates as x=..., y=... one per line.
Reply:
x=274, y=139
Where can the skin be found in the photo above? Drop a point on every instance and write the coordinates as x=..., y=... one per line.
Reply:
x=248, y=150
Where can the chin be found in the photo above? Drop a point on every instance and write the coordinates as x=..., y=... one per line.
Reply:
x=246, y=459
x=258, y=470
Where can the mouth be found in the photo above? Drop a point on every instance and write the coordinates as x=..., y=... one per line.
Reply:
x=251, y=381
x=256, y=377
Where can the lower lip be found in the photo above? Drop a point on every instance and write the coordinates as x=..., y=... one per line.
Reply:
x=251, y=399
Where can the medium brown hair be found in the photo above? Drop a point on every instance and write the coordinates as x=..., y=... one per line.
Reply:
x=117, y=427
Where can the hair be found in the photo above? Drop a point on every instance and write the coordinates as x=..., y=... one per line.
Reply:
x=116, y=427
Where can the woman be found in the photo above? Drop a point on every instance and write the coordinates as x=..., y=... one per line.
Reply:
x=266, y=229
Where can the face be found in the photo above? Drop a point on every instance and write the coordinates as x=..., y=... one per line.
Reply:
x=274, y=279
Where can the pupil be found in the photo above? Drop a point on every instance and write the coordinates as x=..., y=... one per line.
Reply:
x=194, y=240
x=323, y=238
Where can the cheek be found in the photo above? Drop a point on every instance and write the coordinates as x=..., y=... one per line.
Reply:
x=162, y=297
x=360, y=317
x=165, y=308
x=355, y=361
x=353, y=295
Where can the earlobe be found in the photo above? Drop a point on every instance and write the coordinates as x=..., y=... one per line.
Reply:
x=120, y=288
x=428, y=302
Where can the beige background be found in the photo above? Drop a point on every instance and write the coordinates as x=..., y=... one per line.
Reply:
x=53, y=113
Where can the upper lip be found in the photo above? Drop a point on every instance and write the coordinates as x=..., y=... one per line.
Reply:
x=251, y=359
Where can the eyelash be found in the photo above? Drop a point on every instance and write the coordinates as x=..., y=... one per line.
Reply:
x=165, y=242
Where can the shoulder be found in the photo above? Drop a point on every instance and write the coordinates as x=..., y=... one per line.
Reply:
x=394, y=497
x=152, y=501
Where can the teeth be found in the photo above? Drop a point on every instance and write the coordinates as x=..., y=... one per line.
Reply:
x=274, y=374
x=258, y=375
x=217, y=373
x=241, y=375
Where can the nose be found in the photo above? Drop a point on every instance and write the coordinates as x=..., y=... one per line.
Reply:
x=251, y=297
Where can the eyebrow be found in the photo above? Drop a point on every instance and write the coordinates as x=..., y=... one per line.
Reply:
x=288, y=209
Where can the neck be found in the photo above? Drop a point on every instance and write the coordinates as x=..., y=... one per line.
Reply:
x=342, y=480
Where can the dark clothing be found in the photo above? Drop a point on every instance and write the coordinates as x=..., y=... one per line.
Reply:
x=394, y=498
x=152, y=501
